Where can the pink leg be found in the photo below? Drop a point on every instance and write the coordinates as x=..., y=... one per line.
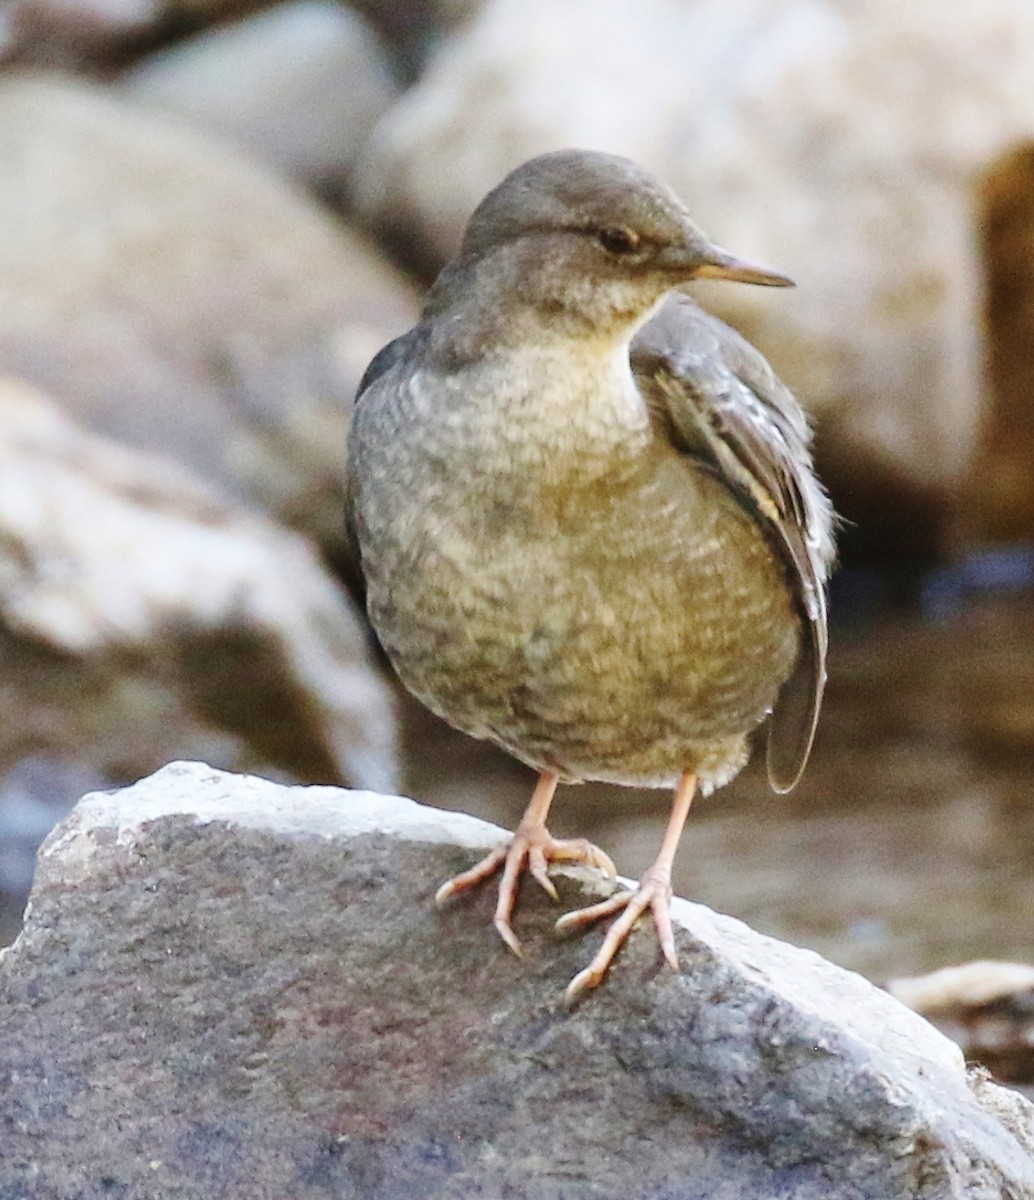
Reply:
x=654, y=893
x=532, y=848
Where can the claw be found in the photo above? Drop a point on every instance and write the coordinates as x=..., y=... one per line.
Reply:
x=579, y=917
x=505, y=931
x=485, y=869
x=654, y=893
x=538, y=868
x=531, y=849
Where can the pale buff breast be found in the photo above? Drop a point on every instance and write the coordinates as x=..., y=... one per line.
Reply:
x=627, y=631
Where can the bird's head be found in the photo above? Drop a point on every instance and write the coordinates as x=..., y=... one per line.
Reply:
x=594, y=238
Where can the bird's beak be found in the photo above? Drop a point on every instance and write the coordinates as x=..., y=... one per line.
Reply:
x=720, y=264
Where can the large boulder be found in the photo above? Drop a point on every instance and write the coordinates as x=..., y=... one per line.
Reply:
x=299, y=85
x=170, y=293
x=144, y=616
x=227, y=988
x=843, y=143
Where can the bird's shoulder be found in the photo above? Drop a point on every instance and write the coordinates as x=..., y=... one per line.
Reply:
x=398, y=352
x=720, y=401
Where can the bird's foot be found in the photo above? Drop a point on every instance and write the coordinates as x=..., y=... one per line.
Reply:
x=654, y=893
x=531, y=849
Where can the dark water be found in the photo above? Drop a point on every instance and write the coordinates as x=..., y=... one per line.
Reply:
x=908, y=845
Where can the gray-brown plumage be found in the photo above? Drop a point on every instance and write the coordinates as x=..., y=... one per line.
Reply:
x=586, y=512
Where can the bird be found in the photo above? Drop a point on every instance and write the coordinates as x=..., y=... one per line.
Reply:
x=588, y=521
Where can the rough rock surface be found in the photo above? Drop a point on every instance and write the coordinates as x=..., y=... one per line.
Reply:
x=227, y=988
x=299, y=85
x=143, y=617
x=174, y=295
x=843, y=142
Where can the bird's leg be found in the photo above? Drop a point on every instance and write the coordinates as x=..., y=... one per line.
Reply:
x=653, y=892
x=531, y=848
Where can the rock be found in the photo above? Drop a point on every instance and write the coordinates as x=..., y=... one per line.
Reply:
x=791, y=140
x=967, y=987
x=97, y=36
x=142, y=616
x=987, y=1007
x=299, y=85
x=175, y=296
x=34, y=795
x=229, y=988
x=74, y=34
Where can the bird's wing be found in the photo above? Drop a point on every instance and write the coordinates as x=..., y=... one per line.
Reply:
x=395, y=352
x=724, y=405
x=388, y=356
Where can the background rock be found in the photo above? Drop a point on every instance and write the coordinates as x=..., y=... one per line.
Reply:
x=845, y=143
x=142, y=616
x=228, y=988
x=74, y=33
x=987, y=1008
x=175, y=296
x=300, y=85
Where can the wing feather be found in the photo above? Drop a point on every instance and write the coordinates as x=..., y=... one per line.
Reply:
x=725, y=405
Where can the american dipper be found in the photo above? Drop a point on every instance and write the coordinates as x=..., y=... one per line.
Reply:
x=587, y=518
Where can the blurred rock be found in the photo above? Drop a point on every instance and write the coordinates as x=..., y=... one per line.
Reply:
x=987, y=1007
x=97, y=36
x=207, y=12
x=228, y=988
x=967, y=987
x=74, y=33
x=299, y=85
x=178, y=297
x=844, y=143
x=142, y=618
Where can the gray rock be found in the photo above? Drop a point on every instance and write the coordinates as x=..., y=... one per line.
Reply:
x=299, y=85
x=792, y=139
x=227, y=988
x=143, y=616
x=987, y=1007
x=174, y=295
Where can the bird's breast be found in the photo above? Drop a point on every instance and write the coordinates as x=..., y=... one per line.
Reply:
x=553, y=574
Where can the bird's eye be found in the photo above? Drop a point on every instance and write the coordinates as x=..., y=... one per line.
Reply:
x=619, y=240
